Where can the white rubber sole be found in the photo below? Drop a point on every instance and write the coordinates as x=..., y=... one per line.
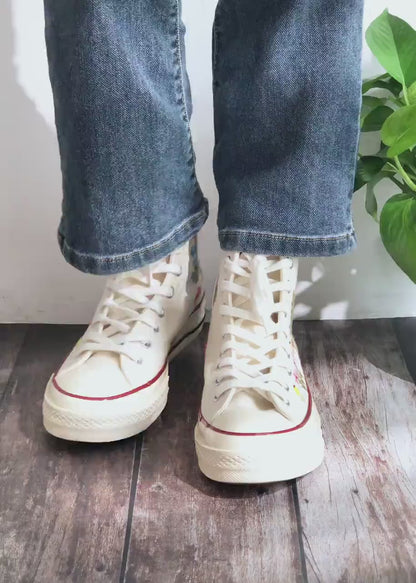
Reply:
x=260, y=459
x=112, y=420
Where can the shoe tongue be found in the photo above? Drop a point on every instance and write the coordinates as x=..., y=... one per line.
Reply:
x=112, y=367
x=262, y=301
x=104, y=358
x=137, y=282
x=256, y=328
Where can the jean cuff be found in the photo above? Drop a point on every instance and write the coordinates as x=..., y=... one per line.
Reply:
x=118, y=263
x=261, y=243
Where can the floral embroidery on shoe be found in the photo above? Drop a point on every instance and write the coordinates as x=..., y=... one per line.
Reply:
x=300, y=381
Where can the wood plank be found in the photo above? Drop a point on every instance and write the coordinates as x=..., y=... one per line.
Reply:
x=63, y=506
x=405, y=329
x=358, y=510
x=11, y=338
x=186, y=528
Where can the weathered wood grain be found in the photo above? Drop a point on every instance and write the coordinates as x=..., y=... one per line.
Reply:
x=358, y=510
x=63, y=507
x=72, y=513
x=188, y=529
x=11, y=338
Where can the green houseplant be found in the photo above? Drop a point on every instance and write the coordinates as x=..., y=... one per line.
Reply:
x=389, y=106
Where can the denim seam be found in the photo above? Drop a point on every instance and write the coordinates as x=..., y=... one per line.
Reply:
x=180, y=64
x=282, y=237
x=189, y=222
x=215, y=44
x=179, y=78
x=216, y=41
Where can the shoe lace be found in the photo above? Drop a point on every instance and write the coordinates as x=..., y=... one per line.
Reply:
x=257, y=336
x=130, y=311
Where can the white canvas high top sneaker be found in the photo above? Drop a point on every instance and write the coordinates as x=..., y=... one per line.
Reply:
x=114, y=383
x=257, y=422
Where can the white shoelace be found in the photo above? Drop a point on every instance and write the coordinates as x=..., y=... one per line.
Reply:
x=255, y=352
x=132, y=297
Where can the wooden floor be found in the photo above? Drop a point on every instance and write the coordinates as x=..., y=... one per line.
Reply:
x=140, y=511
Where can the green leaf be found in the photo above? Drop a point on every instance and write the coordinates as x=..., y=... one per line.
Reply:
x=399, y=130
x=408, y=159
x=393, y=42
x=374, y=120
x=382, y=153
x=382, y=82
x=411, y=93
x=367, y=168
x=370, y=198
x=370, y=102
x=371, y=201
x=398, y=231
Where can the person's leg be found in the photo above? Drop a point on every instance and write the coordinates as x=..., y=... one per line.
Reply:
x=122, y=104
x=287, y=99
x=131, y=203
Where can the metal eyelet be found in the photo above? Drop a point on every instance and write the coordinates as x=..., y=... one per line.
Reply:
x=217, y=381
x=162, y=313
x=148, y=344
x=140, y=361
x=172, y=293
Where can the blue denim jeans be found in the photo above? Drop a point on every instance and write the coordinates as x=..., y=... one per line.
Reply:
x=286, y=83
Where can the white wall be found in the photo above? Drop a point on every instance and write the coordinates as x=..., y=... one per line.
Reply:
x=36, y=285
